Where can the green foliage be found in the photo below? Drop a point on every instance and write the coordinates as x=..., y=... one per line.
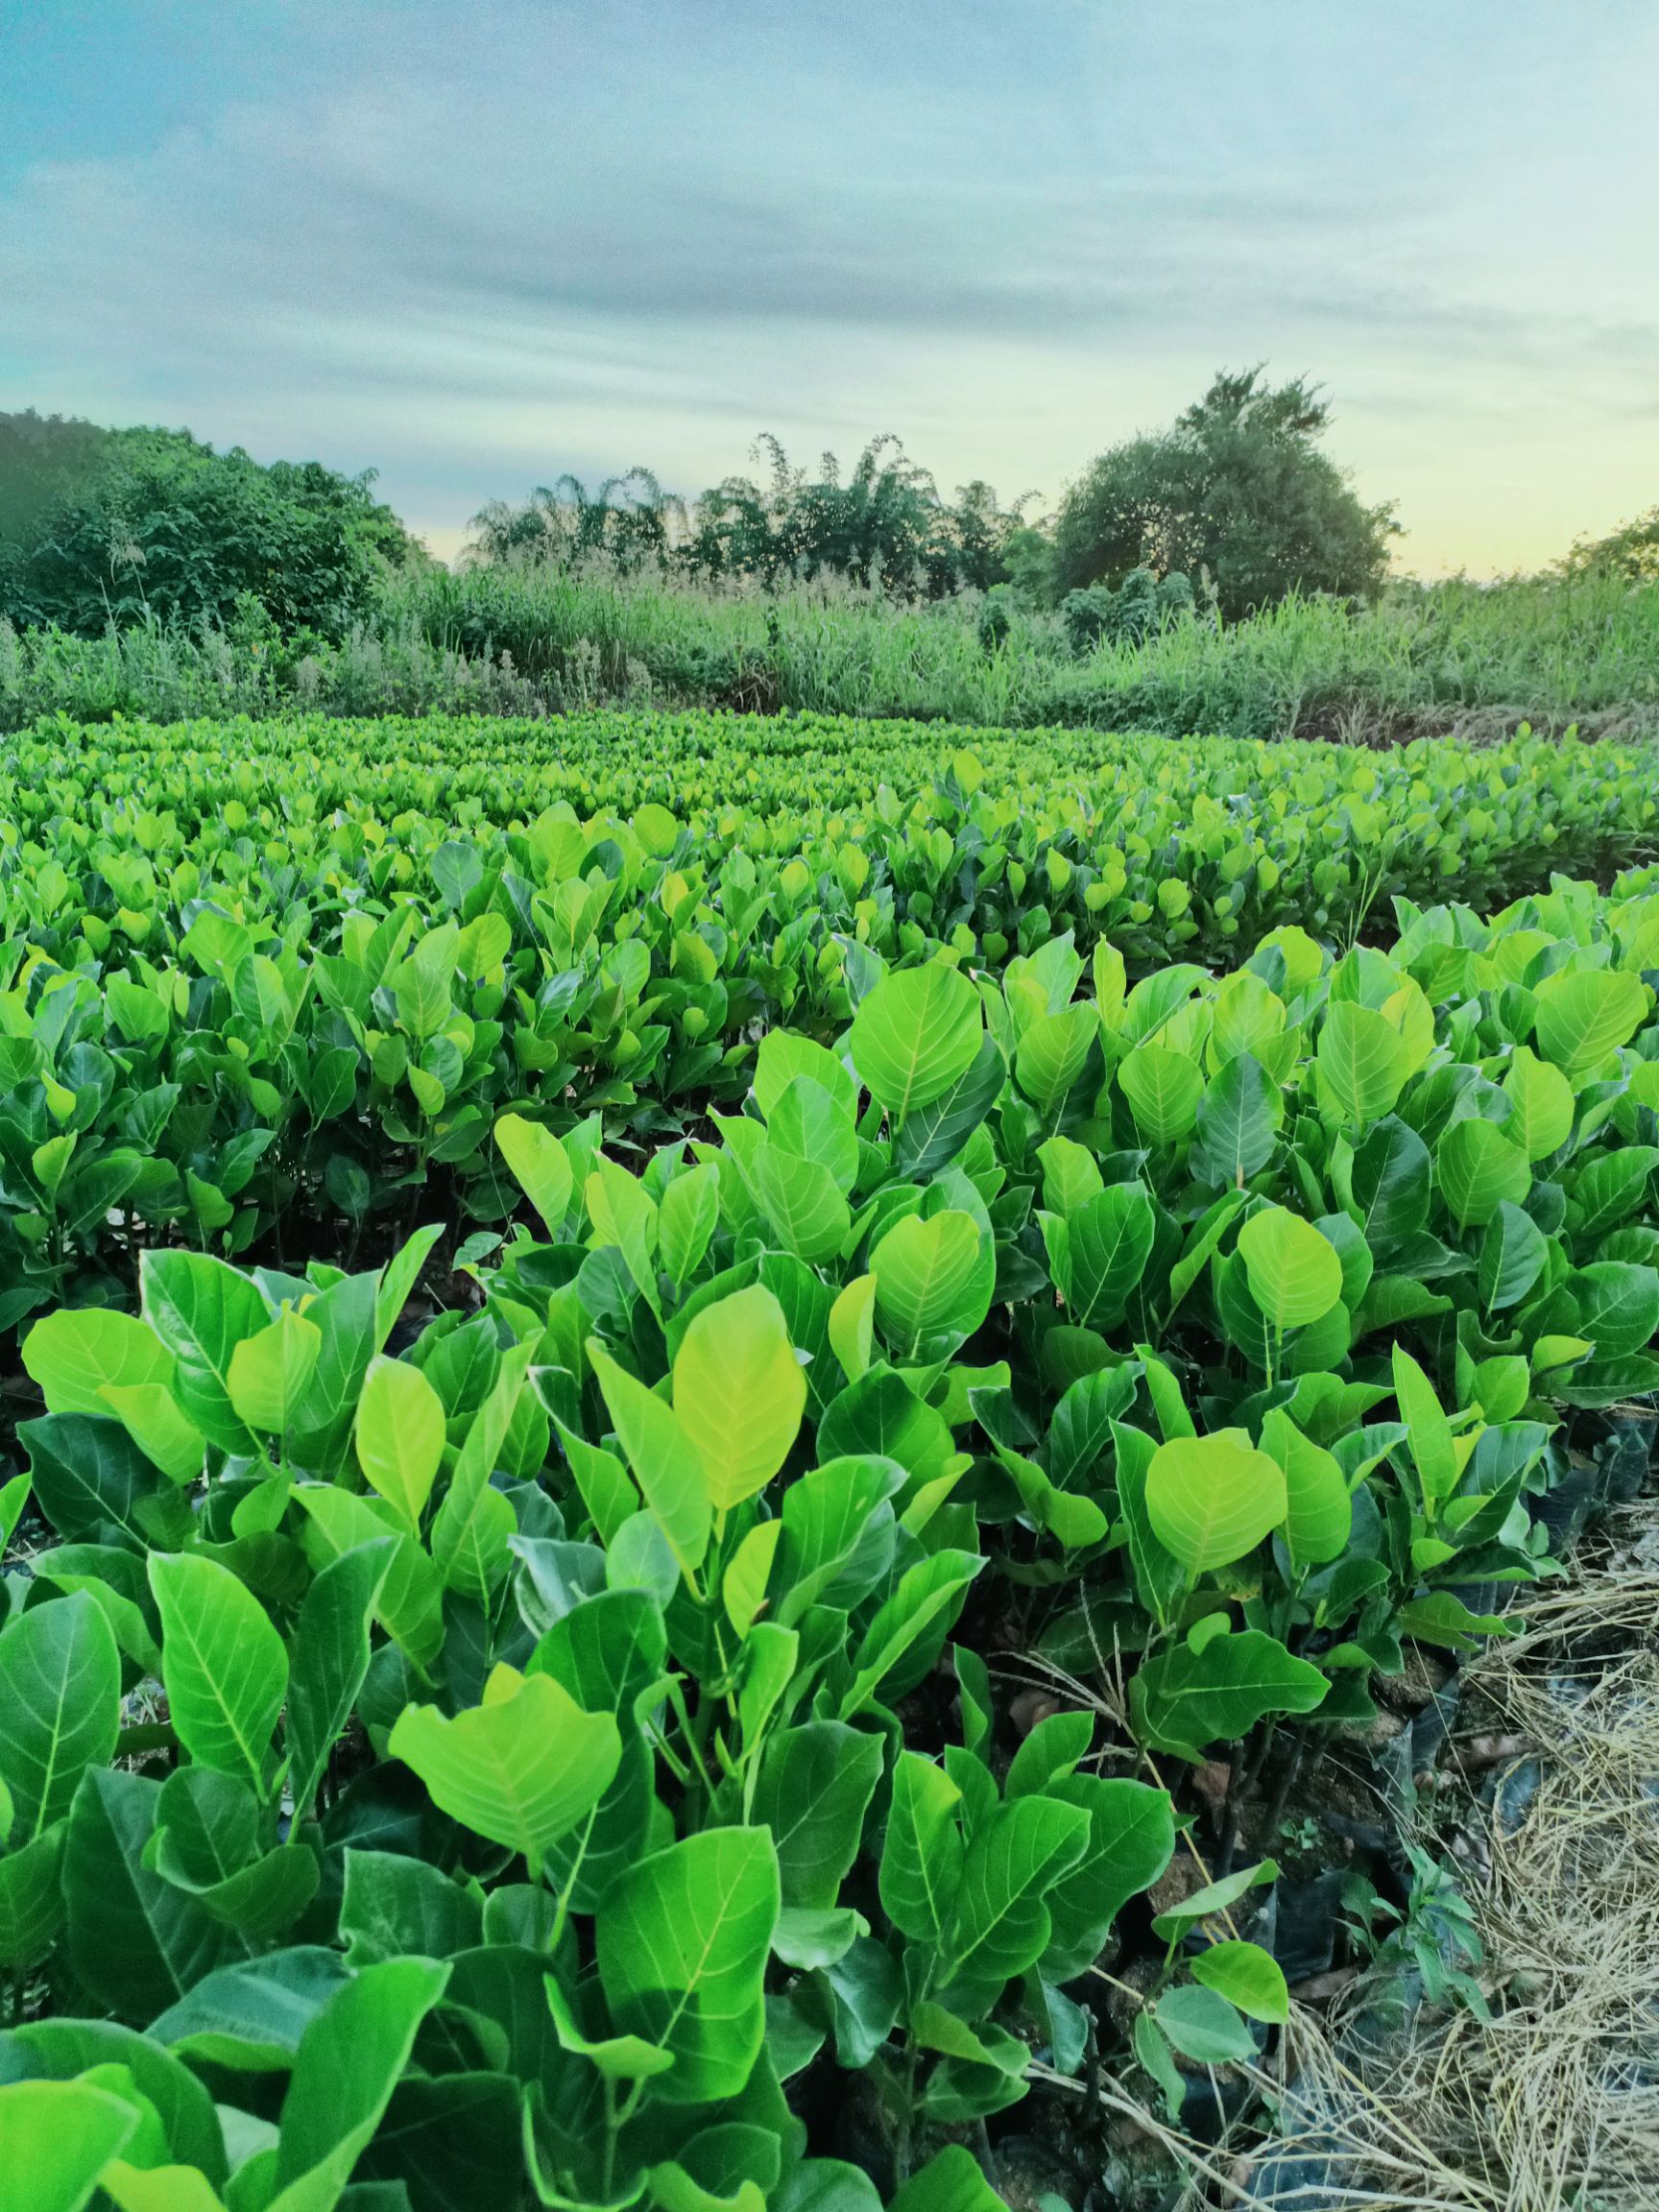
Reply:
x=1238, y=492
x=113, y=527
x=888, y=1233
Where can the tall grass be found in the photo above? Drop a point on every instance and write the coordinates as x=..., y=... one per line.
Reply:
x=520, y=641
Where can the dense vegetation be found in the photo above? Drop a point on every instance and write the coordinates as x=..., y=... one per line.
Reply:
x=105, y=528
x=517, y=641
x=533, y=1707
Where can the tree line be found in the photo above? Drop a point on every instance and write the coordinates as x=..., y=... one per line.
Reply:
x=1231, y=508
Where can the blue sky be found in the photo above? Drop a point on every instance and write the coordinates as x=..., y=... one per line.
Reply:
x=476, y=247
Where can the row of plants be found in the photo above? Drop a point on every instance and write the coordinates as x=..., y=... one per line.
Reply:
x=538, y=1730
x=266, y=987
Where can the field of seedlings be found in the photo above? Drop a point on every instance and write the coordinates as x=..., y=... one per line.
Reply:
x=749, y=1465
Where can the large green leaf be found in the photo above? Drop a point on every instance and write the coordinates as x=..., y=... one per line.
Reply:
x=55, y=2138
x=399, y=1436
x=922, y=1851
x=1363, y=1062
x=60, y=1708
x=1583, y=1018
x=1183, y=1700
x=1293, y=1269
x=349, y=2061
x=202, y=1309
x=682, y=1940
x=74, y=1353
x=136, y=1943
x=1213, y=1499
x=932, y=1279
x=1001, y=1923
x=540, y=1167
x=739, y=1393
x=223, y=1664
x=523, y=1769
x=915, y=1035
x=814, y=1788
x=331, y=1659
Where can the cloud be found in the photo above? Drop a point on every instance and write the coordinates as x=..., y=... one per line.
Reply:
x=575, y=234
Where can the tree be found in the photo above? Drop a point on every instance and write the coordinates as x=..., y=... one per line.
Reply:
x=1630, y=552
x=1238, y=489
x=630, y=519
x=103, y=526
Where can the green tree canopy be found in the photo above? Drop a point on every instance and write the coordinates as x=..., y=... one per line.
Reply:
x=99, y=526
x=1237, y=488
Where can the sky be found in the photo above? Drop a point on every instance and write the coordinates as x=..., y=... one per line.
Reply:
x=476, y=247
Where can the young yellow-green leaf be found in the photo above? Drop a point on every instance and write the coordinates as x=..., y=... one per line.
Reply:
x=523, y=1769
x=915, y=1035
x=476, y=1523
x=852, y=1326
x=1246, y=1975
x=1213, y=1499
x=931, y=1278
x=149, y=1414
x=1584, y=1017
x=1164, y=1088
x=1318, y=1510
x=743, y=1585
x=76, y=1352
x=55, y=2138
x=1480, y=1167
x=685, y=1222
x=268, y=1372
x=1294, y=1272
x=667, y=1464
x=1363, y=1062
x=223, y=1664
x=739, y=1393
x=1427, y=1431
x=202, y=1309
x=540, y=1167
x=399, y=1436
x=1542, y=1104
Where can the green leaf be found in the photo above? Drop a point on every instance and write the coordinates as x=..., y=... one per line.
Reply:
x=814, y=1790
x=351, y=2059
x=1213, y=1499
x=683, y=1939
x=1318, y=1510
x=667, y=1464
x=922, y=1851
x=136, y=1943
x=1478, y=1168
x=1204, y=2027
x=685, y=1222
x=331, y=1659
x=540, y=1165
x=1583, y=1018
x=270, y=1370
x=1513, y=1253
x=1294, y=1271
x=74, y=1353
x=1001, y=1925
x=55, y=2138
x=202, y=1309
x=252, y=2017
x=950, y=2181
x=1108, y=1242
x=1246, y=1975
x=739, y=1393
x=1239, y=1120
x=476, y=1523
x=915, y=1035
x=223, y=1664
x=61, y=1698
x=399, y=1436
x=931, y=1279
x=924, y=1594
x=1051, y=1052
x=149, y=1414
x=1363, y=1062
x=1131, y=1841
x=395, y=1906
x=1542, y=1104
x=1163, y=1088
x=31, y=1898
x=1433, y=1452
x=523, y=1769
x=1183, y=1700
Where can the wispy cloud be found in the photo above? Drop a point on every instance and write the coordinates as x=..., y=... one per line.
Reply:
x=576, y=235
